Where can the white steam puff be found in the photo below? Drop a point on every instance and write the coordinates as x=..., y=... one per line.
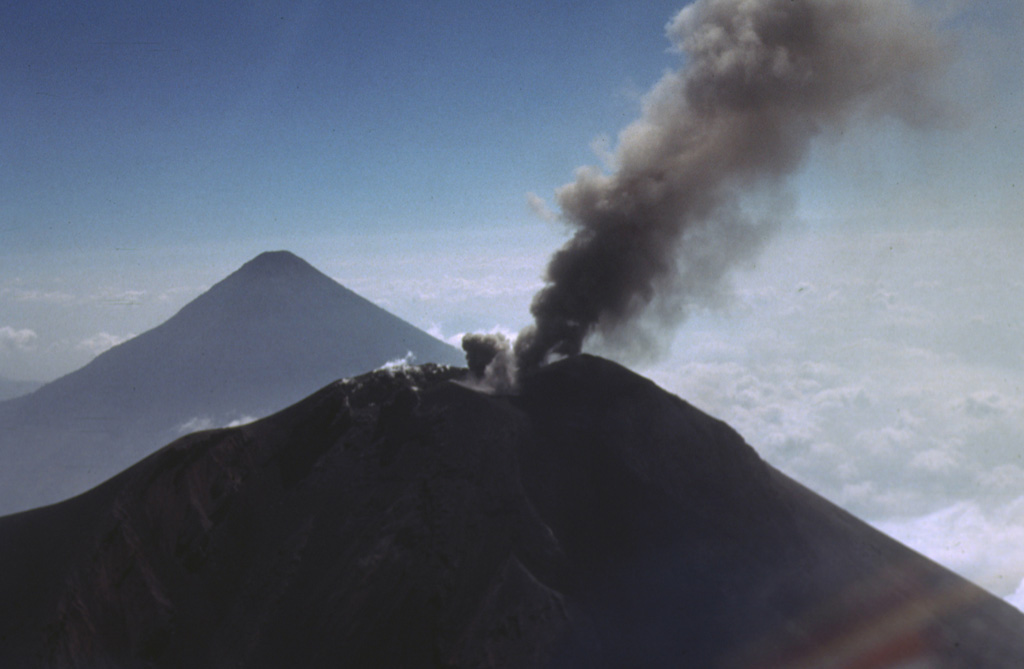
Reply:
x=762, y=79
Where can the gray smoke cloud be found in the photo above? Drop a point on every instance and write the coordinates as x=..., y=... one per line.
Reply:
x=491, y=363
x=761, y=79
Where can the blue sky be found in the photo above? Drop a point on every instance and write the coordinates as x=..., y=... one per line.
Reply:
x=128, y=124
x=149, y=149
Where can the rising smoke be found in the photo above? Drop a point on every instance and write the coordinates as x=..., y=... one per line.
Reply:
x=490, y=361
x=761, y=79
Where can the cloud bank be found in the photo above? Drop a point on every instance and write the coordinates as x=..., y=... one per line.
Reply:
x=17, y=339
x=883, y=370
x=101, y=341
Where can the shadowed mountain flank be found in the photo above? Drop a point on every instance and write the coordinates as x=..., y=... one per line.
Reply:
x=266, y=336
x=10, y=388
x=402, y=519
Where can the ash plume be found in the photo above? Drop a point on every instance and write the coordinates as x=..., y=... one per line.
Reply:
x=491, y=362
x=761, y=79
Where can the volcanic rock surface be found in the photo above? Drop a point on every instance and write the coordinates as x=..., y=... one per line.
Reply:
x=403, y=519
x=268, y=335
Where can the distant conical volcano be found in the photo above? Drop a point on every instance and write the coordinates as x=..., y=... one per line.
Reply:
x=10, y=388
x=266, y=336
x=400, y=519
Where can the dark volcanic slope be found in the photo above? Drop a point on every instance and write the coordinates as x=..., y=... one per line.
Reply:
x=264, y=337
x=10, y=388
x=403, y=520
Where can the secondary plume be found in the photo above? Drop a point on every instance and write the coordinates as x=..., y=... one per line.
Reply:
x=761, y=79
x=490, y=360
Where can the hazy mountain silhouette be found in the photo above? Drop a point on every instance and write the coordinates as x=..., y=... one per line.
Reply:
x=405, y=520
x=10, y=388
x=266, y=336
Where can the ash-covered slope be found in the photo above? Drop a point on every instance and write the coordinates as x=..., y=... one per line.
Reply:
x=266, y=336
x=405, y=520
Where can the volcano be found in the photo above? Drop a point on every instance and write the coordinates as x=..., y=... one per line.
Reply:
x=268, y=335
x=10, y=388
x=403, y=519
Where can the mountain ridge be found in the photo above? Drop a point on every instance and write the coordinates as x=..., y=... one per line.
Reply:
x=401, y=518
x=267, y=335
x=12, y=388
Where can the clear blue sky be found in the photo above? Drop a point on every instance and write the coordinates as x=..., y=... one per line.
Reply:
x=143, y=125
x=135, y=123
x=149, y=149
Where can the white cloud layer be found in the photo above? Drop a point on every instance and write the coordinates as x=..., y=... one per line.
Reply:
x=970, y=537
x=21, y=294
x=17, y=339
x=883, y=370
x=1017, y=598
x=100, y=342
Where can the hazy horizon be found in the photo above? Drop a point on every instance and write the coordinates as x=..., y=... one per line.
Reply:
x=871, y=350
